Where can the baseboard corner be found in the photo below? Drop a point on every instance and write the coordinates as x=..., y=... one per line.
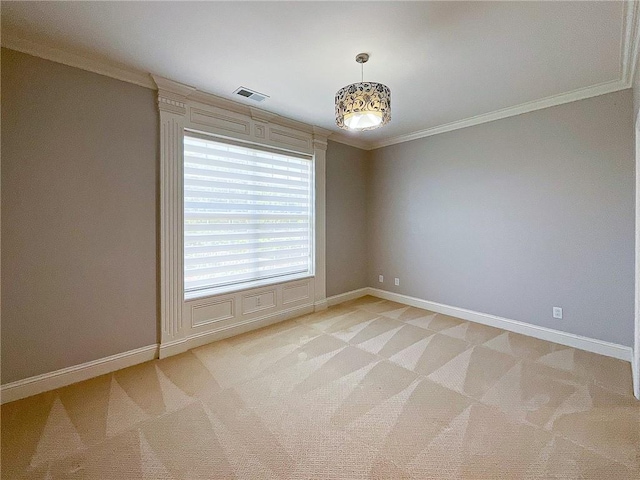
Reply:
x=346, y=296
x=320, y=305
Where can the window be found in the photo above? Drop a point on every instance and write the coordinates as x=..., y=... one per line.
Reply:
x=248, y=214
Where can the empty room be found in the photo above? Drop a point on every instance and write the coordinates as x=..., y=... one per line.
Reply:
x=320, y=240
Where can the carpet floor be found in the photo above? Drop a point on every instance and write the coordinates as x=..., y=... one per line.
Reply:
x=366, y=389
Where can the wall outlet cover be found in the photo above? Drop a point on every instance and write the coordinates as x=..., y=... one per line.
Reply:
x=557, y=312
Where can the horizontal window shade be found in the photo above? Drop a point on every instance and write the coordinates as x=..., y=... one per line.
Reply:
x=251, y=207
x=258, y=197
x=241, y=216
x=244, y=189
x=222, y=238
x=231, y=279
x=209, y=250
x=238, y=179
x=247, y=214
x=257, y=157
x=246, y=227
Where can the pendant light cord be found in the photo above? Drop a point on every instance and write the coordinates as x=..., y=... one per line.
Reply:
x=362, y=72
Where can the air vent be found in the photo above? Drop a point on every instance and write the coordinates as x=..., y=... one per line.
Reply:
x=255, y=96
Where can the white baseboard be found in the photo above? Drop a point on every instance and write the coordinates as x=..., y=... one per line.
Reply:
x=635, y=371
x=320, y=305
x=563, y=338
x=344, y=297
x=636, y=378
x=193, y=341
x=601, y=347
x=77, y=373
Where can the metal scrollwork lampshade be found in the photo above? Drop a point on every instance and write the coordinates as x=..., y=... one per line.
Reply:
x=363, y=106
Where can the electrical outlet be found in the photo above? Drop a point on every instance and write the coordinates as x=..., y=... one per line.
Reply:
x=397, y=282
x=380, y=278
x=557, y=312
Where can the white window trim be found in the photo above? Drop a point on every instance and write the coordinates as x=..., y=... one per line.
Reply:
x=189, y=322
x=207, y=293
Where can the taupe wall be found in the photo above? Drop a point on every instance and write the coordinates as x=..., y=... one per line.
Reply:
x=514, y=217
x=79, y=187
x=79, y=175
x=346, y=218
x=509, y=218
x=636, y=90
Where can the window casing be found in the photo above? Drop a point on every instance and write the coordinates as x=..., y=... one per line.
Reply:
x=248, y=215
x=191, y=319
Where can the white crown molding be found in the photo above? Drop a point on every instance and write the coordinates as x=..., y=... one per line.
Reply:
x=351, y=141
x=630, y=45
x=143, y=79
x=261, y=115
x=630, y=41
x=319, y=132
x=628, y=61
x=100, y=66
x=255, y=113
x=171, y=87
x=579, y=94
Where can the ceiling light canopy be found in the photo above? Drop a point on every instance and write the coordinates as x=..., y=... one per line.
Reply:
x=364, y=105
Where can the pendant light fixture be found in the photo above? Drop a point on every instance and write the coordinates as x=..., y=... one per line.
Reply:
x=364, y=105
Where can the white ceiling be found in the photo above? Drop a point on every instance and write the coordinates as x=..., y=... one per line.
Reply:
x=444, y=61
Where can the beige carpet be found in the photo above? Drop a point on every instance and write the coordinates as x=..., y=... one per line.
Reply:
x=368, y=389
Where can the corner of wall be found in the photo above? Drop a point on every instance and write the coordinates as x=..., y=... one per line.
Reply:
x=368, y=154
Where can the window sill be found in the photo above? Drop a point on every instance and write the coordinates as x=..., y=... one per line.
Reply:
x=215, y=291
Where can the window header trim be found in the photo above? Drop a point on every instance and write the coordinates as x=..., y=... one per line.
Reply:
x=188, y=132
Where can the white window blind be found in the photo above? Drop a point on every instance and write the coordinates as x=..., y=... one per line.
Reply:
x=247, y=214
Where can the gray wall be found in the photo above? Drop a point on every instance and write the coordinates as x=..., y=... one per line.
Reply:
x=636, y=90
x=79, y=175
x=346, y=218
x=508, y=218
x=514, y=217
x=79, y=194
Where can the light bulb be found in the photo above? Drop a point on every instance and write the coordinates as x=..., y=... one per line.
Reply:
x=360, y=120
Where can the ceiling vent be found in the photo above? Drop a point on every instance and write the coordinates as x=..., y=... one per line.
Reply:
x=250, y=94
